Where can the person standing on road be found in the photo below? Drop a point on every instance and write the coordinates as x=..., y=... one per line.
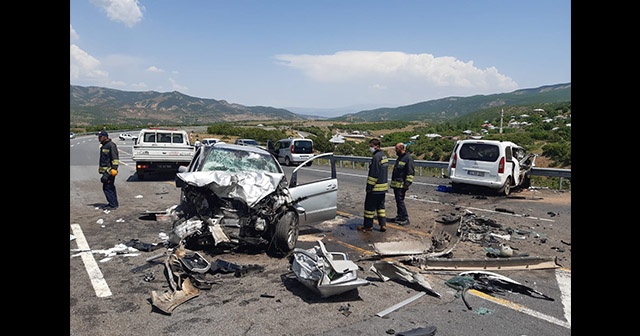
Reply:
x=376, y=188
x=108, y=168
x=401, y=179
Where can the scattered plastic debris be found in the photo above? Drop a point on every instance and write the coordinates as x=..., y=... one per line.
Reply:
x=100, y=221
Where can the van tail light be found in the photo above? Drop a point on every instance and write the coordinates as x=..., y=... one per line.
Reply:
x=453, y=162
x=291, y=149
x=501, y=166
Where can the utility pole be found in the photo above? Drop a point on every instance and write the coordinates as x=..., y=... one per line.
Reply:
x=501, y=116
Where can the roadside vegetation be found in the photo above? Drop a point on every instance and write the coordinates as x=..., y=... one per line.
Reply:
x=543, y=129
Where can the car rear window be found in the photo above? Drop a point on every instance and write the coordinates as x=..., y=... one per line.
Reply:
x=303, y=146
x=479, y=152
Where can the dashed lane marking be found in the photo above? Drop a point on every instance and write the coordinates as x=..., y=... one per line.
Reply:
x=95, y=275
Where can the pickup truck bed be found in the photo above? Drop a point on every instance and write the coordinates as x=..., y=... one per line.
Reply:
x=161, y=151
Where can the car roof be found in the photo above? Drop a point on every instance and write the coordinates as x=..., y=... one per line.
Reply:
x=240, y=147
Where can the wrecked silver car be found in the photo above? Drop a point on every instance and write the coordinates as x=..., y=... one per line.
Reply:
x=239, y=195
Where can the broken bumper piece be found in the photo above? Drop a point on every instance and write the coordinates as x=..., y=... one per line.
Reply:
x=319, y=271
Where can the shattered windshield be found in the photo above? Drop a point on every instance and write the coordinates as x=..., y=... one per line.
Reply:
x=225, y=159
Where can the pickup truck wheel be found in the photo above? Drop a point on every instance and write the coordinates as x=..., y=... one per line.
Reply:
x=505, y=190
x=285, y=234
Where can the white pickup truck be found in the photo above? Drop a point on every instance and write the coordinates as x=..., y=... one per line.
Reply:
x=158, y=151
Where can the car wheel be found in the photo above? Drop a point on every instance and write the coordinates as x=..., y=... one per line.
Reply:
x=287, y=161
x=505, y=190
x=285, y=233
x=309, y=164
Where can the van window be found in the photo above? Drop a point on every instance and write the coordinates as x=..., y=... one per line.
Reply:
x=479, y=152
x=303, y=146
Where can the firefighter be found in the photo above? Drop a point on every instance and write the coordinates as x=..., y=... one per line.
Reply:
x=401, y=179
x=108, y=168
x=376, y=188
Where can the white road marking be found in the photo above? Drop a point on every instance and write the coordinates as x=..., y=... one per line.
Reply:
x=95, y=275
x=520, y=308
x=564, y=283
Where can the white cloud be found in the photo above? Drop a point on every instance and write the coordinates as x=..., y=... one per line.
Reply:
x=154, y=69
x=128, y=12
x=177, y=87
x=73, y=36
x=85, y=66
x=391, y=69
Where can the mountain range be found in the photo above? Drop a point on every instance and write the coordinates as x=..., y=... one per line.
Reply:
x=97, y=105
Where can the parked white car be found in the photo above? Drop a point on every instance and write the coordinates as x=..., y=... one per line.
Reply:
x=209, y=141
x=127, y=136
x=498, y=165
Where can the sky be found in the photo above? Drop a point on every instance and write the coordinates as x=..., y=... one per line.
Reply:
x=327, y=55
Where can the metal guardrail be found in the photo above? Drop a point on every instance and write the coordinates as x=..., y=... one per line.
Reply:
x=442, y=165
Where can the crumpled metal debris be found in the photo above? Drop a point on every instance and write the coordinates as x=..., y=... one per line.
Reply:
x=490, y=283
x=388, y=270
x=320, y=271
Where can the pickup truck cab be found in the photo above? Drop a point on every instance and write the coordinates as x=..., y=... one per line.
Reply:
x=161, y=151
x=498, y=165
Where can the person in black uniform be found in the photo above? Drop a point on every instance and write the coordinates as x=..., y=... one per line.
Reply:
x=108, y=168
x=376, y=188
x=401, y=179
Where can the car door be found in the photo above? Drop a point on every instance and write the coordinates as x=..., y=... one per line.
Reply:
x=318, y=199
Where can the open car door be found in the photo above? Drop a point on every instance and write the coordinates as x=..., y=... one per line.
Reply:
x=318, y=199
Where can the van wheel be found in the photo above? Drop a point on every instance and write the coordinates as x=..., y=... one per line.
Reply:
x=287, y=162
x=505, y=190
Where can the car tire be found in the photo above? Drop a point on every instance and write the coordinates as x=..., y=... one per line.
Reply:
x=285, y=233
x=287, y=161
x=505, y=190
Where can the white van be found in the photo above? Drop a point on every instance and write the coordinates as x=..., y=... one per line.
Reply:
x=498, y=165
x=292, y=151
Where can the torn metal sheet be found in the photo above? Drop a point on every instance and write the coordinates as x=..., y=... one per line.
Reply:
x=388, y=270
x=401, y=247
x=513, y=263
x=493, y=279
x=322, y=271
x=249, y=186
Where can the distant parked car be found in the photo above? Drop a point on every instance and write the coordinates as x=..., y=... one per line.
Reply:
x=249, y=142
x=127, y=136
x=209, y=141
x=72, y=135
x=293, y=151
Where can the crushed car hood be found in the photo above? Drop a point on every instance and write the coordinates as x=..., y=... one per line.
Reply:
x=249, y=186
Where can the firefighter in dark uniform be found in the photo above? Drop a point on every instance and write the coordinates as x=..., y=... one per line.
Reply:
x=401, y=179
x=376, y=188
x=108, y=168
